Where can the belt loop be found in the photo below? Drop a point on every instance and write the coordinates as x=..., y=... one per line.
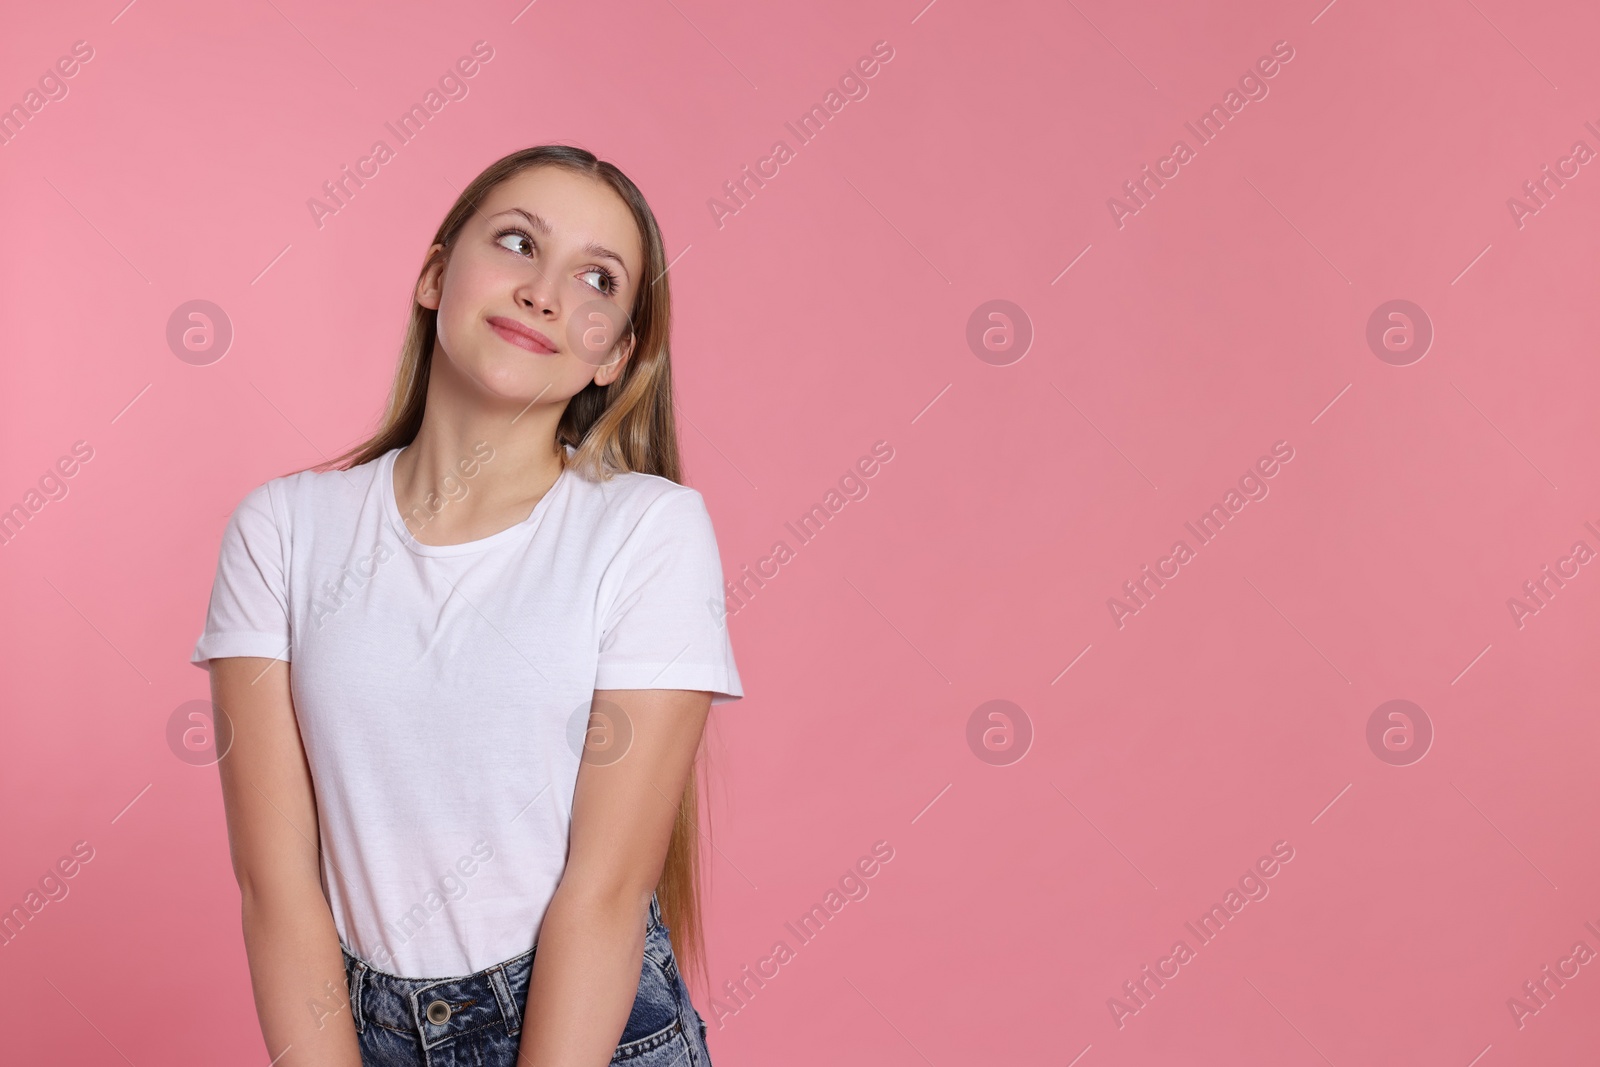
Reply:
x=508, y=1003
x=356, y=982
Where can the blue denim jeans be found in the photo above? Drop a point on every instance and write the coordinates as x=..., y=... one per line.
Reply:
x=476, y=1020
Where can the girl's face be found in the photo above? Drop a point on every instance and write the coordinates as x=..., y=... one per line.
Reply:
x=538, y=287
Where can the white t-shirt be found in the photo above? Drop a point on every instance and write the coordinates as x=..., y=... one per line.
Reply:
x=442, y=691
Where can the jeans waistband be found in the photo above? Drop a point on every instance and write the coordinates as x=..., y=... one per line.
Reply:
x=438, y=1009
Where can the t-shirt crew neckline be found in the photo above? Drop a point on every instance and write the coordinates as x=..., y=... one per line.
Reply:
x=519, y=530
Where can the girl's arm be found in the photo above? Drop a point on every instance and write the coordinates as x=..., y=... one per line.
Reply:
x=591, y=944
x=296, y=968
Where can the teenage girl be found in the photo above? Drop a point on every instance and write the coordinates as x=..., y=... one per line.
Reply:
x=464, y=824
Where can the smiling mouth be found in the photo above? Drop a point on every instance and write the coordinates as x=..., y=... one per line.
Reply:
x=522, y=336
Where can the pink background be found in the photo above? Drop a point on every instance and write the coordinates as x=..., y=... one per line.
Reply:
x=830, y=313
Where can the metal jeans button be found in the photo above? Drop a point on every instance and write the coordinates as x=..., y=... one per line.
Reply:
x=438, y=1013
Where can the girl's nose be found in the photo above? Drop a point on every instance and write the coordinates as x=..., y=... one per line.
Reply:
x=539, y=294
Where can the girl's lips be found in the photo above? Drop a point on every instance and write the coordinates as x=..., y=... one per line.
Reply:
x=522, y=336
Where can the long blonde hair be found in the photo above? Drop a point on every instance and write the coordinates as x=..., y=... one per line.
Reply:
x=625, y=426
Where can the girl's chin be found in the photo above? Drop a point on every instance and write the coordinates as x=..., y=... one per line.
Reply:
x=509, y=377
x=521, y=386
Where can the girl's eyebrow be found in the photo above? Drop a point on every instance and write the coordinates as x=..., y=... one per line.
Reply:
x=542, y=227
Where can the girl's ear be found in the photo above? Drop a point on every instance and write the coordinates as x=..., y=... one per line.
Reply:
x=611, y=371
x=429, y=284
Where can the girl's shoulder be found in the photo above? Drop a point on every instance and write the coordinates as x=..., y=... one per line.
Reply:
x=630, y=494
x=287, y=496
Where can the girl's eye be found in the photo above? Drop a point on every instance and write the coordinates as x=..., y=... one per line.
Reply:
x=609, y=279
x=520, y=238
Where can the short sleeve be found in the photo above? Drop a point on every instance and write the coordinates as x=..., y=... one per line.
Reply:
x=666, y=627
x=249, y=610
